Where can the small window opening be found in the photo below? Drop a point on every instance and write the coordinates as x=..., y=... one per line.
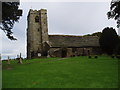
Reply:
x=36, y=19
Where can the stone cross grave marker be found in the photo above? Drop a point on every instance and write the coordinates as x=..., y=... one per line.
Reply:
x=8, y=60
x=20, y=59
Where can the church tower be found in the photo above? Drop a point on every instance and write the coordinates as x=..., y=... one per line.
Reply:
x=37, y=34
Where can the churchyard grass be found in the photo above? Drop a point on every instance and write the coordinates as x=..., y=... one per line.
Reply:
x=73, y=72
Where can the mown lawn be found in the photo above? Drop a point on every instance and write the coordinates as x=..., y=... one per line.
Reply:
x=74, y=72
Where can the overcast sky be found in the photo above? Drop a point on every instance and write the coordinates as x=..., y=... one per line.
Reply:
x=73, y=18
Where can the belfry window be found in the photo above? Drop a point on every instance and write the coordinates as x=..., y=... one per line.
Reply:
x=38, y=29
x=36, y=19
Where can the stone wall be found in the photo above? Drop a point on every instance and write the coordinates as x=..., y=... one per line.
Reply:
x=69, y=52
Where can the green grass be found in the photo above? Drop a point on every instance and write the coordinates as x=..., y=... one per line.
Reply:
x=75, y=72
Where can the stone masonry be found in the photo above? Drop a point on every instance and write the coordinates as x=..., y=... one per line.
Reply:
x=39, y=43
x=37, y=32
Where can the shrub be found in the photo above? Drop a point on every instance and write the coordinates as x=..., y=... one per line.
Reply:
x=118, y=56
x=96, y=57
x=89, y=56
x=113, y=56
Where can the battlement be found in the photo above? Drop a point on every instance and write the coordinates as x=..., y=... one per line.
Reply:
x=37, y=12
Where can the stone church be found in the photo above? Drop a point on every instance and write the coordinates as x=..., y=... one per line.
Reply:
x=40, y=44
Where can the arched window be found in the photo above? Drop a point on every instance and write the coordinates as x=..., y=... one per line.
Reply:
x=36, y=19
x=38, y=29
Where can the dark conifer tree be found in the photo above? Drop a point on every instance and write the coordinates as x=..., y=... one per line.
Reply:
x=108, y=40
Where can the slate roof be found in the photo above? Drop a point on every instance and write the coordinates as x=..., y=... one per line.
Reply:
x=73, y=41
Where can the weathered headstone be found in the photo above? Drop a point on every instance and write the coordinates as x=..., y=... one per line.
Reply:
x=8, y=60
x=20, y=59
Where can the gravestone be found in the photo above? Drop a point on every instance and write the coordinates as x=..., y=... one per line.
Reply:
x=8, y=60
x=20, y=59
